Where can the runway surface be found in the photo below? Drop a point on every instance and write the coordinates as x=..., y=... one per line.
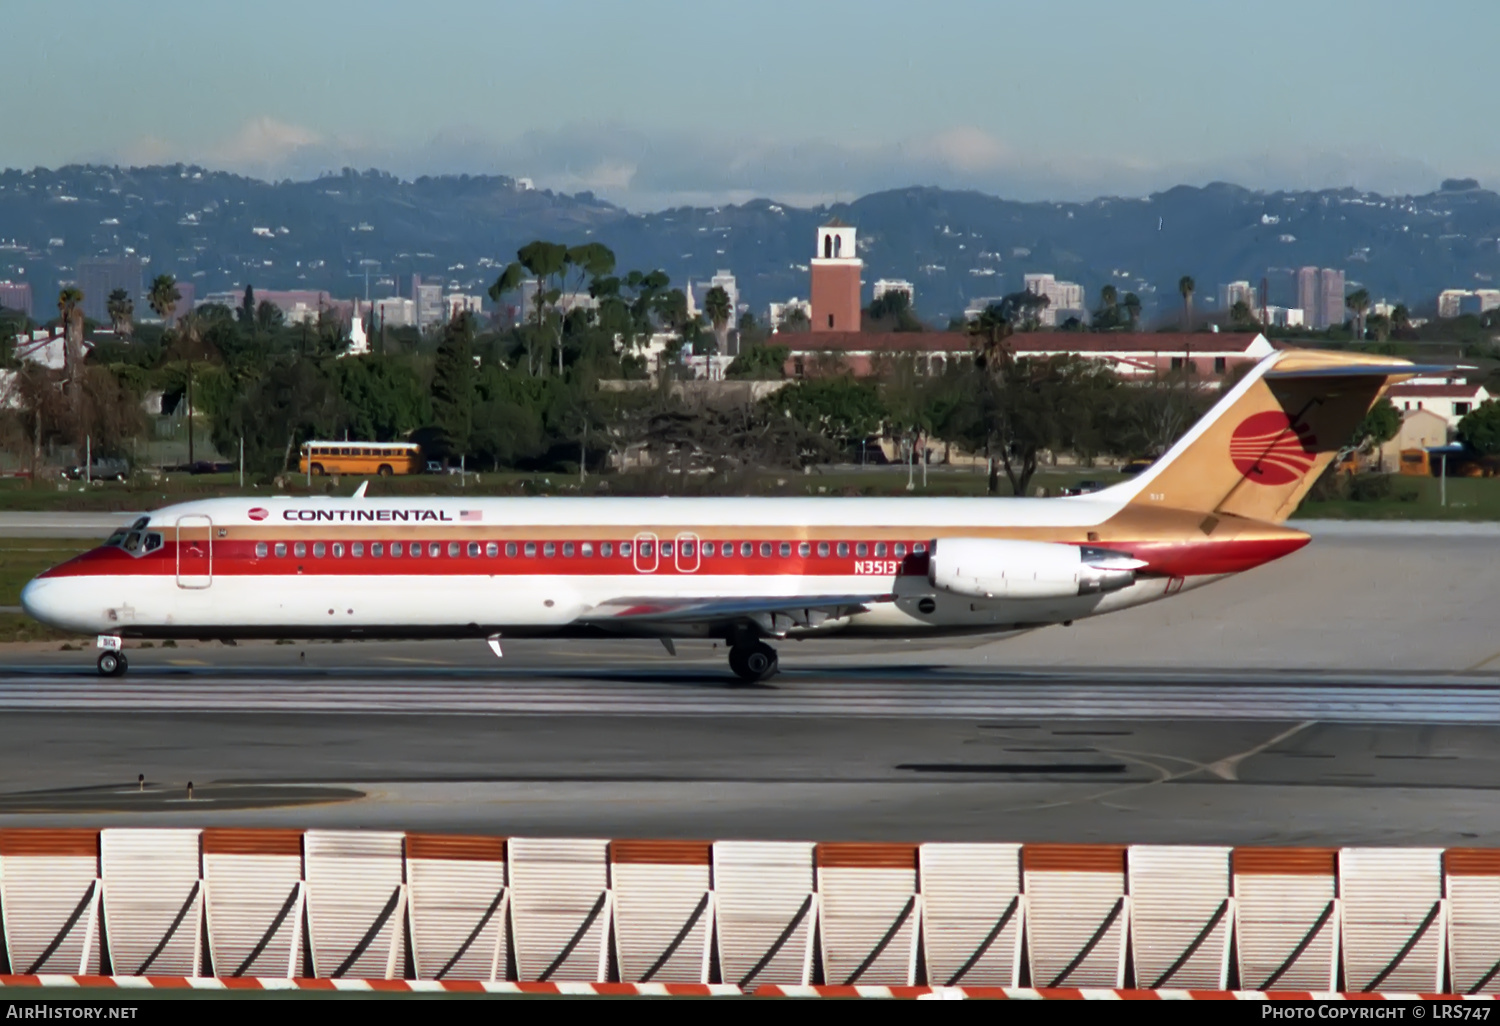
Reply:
x=1346, y=695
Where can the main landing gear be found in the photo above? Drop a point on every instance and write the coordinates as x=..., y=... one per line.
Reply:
x=753, y=661
x=113, y=664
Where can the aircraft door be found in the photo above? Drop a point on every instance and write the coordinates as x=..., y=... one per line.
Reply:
x=195, y=551
x=687, y=553
x=645, y=552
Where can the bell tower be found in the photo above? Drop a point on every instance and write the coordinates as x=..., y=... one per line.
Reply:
x=835, y=279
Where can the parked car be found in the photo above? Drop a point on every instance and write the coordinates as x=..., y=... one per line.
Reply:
x=434, y=467
x=100, y=470
x=1135, y=466
x=1083, y=488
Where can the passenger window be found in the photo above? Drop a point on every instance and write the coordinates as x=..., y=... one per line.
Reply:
x=531, y=548
x=473, y=550
x=899, y=549
x=708, y=548
x=861, y=549
x=492, y=549
x=765, y=548
x=843, y=548
x=396, y=548
x=918, y=548
x=376, y=549
x=822, y=548
x=786, y=548
x=586, y=549
x=804, y=549
x=318, y=550
x=338, y=549
x=549, y=549
x=687, y=549
x=510, y=548
x=357, y=549
x=567, y=548
x=666, y=548
x=416, y=549
x=435, y=549
x=645, y=549
x=880, y=548
x=625, y=549
x=454, y=549
x=261, y=550
x=299, y=550
x=606, y=549
x=747, y=549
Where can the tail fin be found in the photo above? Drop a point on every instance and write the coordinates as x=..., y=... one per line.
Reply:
x=1261, y=447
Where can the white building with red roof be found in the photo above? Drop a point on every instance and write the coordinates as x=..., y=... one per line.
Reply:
x=1451, y=398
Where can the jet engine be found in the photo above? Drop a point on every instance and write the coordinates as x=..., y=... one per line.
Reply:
x=999, y=568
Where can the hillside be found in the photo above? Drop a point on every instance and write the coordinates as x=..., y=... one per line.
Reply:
x=202, y=226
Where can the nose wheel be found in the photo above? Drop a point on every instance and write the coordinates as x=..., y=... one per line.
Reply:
x=113, y=664
x=753, y=662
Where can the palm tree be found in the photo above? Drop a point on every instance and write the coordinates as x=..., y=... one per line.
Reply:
x=990, y=332
x=70, y=309
x=189, y=346
x=1186, y=285
x=121, y=310
x=164, y=297
x=716, y=306
x=1401, y=317
x=1358, y=302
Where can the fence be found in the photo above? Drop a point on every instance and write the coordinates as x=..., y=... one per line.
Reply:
x=388, y=905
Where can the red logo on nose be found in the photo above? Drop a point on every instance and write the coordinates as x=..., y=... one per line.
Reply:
x=1270, y=450
x=259, y=514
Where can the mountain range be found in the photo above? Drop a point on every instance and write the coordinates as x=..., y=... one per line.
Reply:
x=222, y=231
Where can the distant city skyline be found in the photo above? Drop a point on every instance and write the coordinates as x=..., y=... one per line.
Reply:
x=800, y=103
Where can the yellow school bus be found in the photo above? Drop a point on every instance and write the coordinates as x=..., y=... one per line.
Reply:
x=361, y=458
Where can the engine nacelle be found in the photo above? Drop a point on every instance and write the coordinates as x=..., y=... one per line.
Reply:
x=999, y=568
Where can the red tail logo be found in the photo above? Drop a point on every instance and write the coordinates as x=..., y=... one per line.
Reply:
x=1270, y=450
x=259, y=513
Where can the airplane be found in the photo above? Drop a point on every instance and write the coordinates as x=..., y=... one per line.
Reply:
x=746, y=571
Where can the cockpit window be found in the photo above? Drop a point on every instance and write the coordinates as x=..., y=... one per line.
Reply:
x=117, y=538
x=140, y=524
x=153, y=541
x=133, y=541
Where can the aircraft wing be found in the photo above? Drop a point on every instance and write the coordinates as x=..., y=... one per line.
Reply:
x=799, y=609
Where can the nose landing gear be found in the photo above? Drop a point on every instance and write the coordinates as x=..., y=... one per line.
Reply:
x=753, y=661
x=112, y=664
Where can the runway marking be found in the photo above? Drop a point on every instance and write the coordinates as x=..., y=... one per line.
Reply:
x=188, y=662
x=419, y=662
x=1228, y=768
x=924, y=696
x=1482, y=663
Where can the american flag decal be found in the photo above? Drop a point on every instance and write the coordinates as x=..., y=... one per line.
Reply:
x=470, y=515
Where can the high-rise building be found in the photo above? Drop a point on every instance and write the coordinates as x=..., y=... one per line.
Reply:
x=429, y=299
x=16, y=295
x=1064, y=298
x=1330, y=297
x=99, y=276
x=885, y=285
x=1307, y=294
x=1238, y=292
x=835, y=279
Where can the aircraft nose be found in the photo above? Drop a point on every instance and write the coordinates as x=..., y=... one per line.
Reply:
x=42, y=599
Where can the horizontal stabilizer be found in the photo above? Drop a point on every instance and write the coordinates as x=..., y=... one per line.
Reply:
x=1373, y=370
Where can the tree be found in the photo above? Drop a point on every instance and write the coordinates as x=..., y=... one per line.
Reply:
x=1186, y=285
x=70, y=309
x=1480, y=428
x=453, y=387
x=268, y=317
x=716, y=306
x=760, y=363
x=840, y=408
x=1358, y=302
x=988, y=334
x=794, y=318
x=1241, y=316
x=247, y=310
x=121, y=310
x=188, y=344
x=163, y=298
x=1380, y=425
x=1107, y=316
x=1132, y=305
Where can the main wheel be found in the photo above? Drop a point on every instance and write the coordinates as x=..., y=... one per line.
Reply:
x=113, y=664
x=754, y=662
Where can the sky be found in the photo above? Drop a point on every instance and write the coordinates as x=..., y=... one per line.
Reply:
x=657, y=103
